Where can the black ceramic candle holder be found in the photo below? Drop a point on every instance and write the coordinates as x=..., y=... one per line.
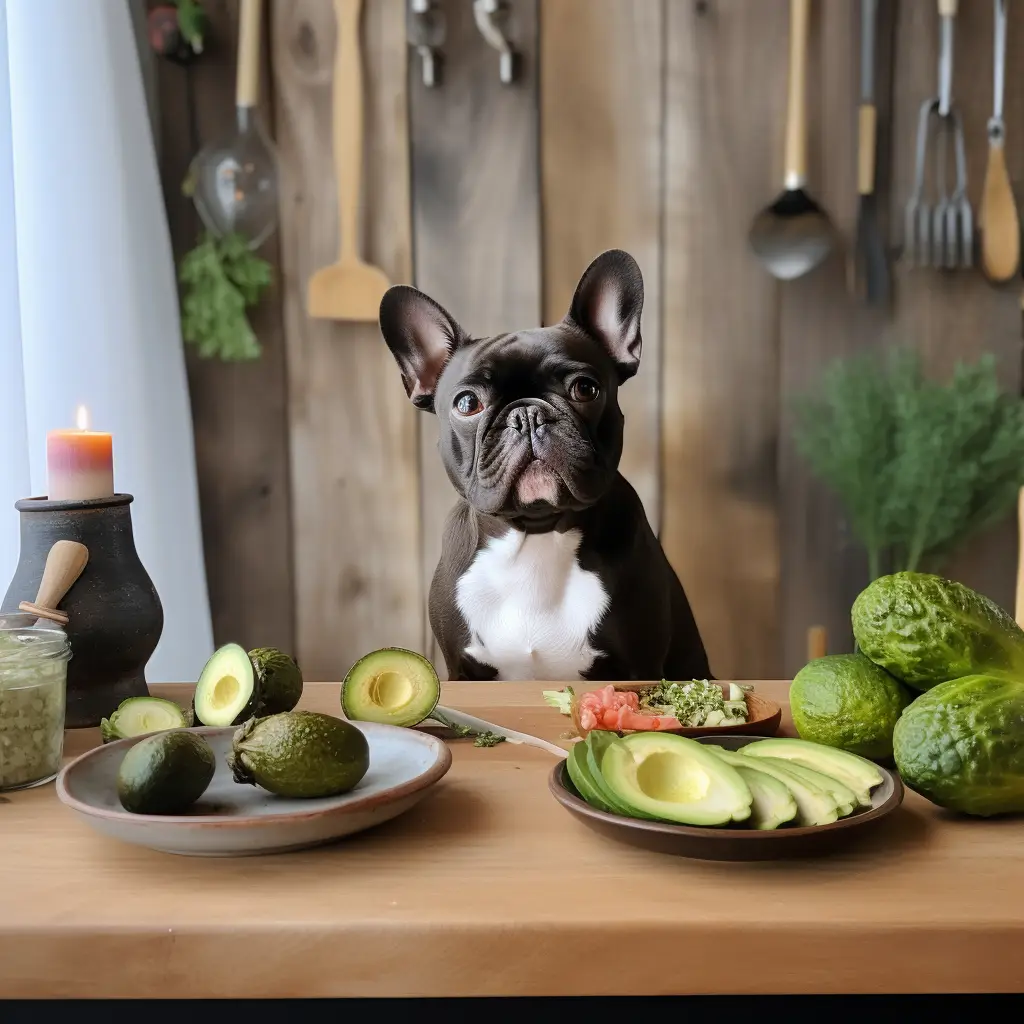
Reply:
x=115, y=615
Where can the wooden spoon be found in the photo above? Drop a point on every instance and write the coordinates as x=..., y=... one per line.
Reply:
x=793, y=235
x=349, y=289
x=64, y=564
x=1000, y=224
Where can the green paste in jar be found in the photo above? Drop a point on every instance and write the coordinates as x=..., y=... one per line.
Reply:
x=33, y=675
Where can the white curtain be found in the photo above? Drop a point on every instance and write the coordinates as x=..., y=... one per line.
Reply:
x=88, y=305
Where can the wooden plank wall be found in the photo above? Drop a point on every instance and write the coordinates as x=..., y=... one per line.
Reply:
x=654, y=125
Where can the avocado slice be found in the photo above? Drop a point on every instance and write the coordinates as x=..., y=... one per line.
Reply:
x=814, y=805
x=165, y=773
x=579, y=772
x=300, y=754
x=845, y=798
x=279, y=678
x=597, y=743
x=392, y=686
x=855, y=771
x=675, y=779
x=136, y=716
x=773, y=804
x=228, y=689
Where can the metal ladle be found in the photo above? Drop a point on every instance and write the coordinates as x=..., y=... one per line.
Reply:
x=234, y=181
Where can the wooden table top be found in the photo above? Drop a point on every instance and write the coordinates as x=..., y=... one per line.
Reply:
x=489, y=887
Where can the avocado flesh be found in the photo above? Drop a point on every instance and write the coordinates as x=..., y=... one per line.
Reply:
x=279, y=679
x=675, y=779
x=300, y=754
x=814, y=805
x=579, y=772
x=858, y=773
x=165, y=773
x=227, y=692
x=136, y=716
x=845, y=798
x=392, y=686
x=773, y=804
x=596, y=743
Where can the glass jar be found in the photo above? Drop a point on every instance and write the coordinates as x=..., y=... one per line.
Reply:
x=33, y=686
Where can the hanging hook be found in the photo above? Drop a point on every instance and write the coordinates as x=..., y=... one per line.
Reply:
x=485, y=13
x=426, y=33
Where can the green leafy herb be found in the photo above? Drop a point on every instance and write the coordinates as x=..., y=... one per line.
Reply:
x=482, y=739
x=919, y=466
x=488, y=739
x=221, y=278
x=192, y=23
x=695, y=702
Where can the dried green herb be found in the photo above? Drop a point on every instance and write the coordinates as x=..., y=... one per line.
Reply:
x=221, y=278
x=919, y=466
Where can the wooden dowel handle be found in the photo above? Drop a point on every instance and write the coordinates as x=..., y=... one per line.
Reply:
x=866, y=134
x=796, y=104
x=348, y=124
x=817, y=642
x=64, y=564
x=1018, y=613
x=247, y=81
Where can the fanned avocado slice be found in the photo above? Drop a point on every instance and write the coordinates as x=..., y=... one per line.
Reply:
x=392, y=686
x=280, y=679
x=137, y=716
x=228, y=689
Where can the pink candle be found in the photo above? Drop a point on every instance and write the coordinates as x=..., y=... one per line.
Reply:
x=79, y=463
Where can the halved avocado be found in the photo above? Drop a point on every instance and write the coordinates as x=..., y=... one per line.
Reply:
x=136, y=716
x=597, y=743
x=280, y=679
x=675, y=779
x=855, y=771
x=579, y=772
x=391, y=686
x=228, y=689
x=814, y=805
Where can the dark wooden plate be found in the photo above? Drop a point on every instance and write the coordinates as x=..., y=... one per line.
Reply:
x=735, y=843
x=764, y=717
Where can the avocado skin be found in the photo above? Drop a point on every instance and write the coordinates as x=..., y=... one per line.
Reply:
x=279, y=680
x=300, y=754
x=165, y=773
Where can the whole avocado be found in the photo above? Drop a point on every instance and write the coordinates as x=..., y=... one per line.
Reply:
x=280, y=679
x=961, y=745
x=847, y=701
x=300, y=754
x=923, y=630
x=165, y=773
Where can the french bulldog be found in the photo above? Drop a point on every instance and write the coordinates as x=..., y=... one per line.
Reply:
x=549, y=568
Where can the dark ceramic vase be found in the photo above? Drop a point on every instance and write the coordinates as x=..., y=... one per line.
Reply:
x=115, y=613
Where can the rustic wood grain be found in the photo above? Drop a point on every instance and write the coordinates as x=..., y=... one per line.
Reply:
x=353, y=435
x=725, y=91
x=601, y=116
x=238, y=409
x=475, y=197
x=476, y=891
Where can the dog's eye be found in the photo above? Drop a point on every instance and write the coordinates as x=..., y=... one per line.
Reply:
x=467, y=404
x=583, y=389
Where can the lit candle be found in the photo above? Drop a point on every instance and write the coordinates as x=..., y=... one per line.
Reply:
x=79, y=463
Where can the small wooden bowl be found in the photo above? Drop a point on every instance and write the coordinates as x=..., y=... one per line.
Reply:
x=764, y=717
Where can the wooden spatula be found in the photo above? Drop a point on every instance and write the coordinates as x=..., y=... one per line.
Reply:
x=64, y=564
x=817, y=642
x=349, y=289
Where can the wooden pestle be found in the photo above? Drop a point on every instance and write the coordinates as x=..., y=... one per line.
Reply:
x=64, y=564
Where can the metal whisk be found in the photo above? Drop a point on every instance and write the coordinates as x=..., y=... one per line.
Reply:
x=943, y=235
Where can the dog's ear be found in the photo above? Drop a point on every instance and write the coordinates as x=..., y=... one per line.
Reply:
x=421, y=336
x=607, y=305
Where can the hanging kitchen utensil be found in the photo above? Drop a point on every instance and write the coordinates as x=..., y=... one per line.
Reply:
x=999, y=221
x=941, y=236
x=870, y=261
x=234, y=181
x=794, y=235
x=487, y=14
x=64, y=564
x=426, y=33
x=349, y=289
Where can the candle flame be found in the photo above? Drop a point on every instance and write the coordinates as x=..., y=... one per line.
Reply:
x=82, y=418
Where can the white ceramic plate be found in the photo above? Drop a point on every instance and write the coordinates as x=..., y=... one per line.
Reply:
x=233, y=820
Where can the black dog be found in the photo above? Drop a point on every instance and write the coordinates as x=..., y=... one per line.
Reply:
x=549, y=569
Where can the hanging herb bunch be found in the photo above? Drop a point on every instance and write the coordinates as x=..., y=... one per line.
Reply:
x=221, y=278
x=919, y=466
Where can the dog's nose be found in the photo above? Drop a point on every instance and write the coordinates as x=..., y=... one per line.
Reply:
x=527, y=419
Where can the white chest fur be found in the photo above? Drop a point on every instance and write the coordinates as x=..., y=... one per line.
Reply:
x=530, y=608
